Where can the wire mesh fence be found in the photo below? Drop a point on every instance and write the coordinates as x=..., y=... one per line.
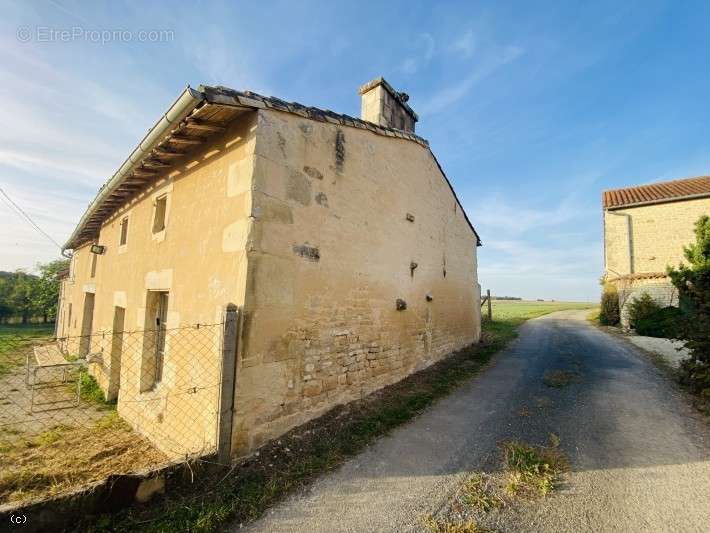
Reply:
x=76, y=409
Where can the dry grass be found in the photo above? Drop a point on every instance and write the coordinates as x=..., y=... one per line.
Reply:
x=65, y=458
x=533, y=470
x=445, y=526
x=559, y=378
x=479, y=491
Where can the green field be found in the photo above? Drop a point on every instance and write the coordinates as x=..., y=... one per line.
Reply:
x=28, y=330
x=524, y=309
x=14, y=339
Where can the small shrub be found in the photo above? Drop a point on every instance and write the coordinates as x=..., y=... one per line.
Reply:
x=665, y=323
x=693, y=284
x=609, y=313
x=642, y=308
x=90, y=390
x=533, y=469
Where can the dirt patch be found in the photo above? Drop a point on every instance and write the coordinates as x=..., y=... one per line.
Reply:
x=434, y=525
x=559, y=379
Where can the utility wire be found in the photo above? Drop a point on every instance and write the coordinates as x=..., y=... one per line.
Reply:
x=22, y=213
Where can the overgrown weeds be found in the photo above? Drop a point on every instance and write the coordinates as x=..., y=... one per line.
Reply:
x=479, y=491
x=91, y=391
x=533, y=470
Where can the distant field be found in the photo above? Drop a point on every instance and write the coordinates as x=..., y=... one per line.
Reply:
x=523, y=309
x=13, y=340
x=28, y=330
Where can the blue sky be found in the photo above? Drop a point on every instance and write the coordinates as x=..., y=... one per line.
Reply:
x=532, y=110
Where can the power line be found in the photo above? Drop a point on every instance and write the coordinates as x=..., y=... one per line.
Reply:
x=22, y=213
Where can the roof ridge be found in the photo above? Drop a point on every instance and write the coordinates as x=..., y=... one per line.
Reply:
x=668, y=182
x=657, y=192
x=252, y=99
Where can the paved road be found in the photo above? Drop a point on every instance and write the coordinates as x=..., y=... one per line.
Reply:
x=640, y=456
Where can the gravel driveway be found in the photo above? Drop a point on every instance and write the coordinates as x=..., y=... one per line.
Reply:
x=640, y=456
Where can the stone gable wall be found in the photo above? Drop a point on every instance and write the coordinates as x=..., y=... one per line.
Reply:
x=348, y=226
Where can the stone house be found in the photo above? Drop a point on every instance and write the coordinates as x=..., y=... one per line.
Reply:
x=340, y=240
x=645, y=230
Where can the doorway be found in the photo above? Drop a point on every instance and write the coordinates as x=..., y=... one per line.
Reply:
x=114, y=384
x=87, y=320
x=156, y=316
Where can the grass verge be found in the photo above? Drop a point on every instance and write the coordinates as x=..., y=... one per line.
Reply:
x=593, y=317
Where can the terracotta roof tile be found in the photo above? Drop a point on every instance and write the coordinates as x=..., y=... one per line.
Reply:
x=666, y=191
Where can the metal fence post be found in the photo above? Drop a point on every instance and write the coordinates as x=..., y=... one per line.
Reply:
x=226, y=396
x=490, y=307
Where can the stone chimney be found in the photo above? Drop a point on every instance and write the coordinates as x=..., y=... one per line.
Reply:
x=383, y=105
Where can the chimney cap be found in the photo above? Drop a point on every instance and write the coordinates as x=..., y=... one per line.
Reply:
x=401, y=97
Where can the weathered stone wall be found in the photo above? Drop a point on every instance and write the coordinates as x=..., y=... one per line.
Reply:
x=646, y=240
x=346, y=223
x=319, y=232
x=200, y=259
x=660, y=289
x=650, y=238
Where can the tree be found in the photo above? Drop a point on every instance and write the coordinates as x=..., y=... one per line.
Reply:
x=26, y=296
x=693, y=284
x=45, y=293
x=5, y=304
x=21, y=295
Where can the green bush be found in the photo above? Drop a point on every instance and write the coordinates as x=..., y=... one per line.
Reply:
x=642, y=309
x=666, y=323
x=693, y=284
x=609, y=312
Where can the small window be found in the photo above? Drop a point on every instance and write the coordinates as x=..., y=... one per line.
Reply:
x=124, y=232
x=93, y=265
x=161, y=204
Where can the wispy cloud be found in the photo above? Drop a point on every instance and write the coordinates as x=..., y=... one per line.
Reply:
x=424, y=49
x=484, y=67
x=502, y=216
x=465, y=45
x=529, y=250
x=217, y=57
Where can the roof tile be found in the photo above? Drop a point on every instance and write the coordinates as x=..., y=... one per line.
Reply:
x=656, y=192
